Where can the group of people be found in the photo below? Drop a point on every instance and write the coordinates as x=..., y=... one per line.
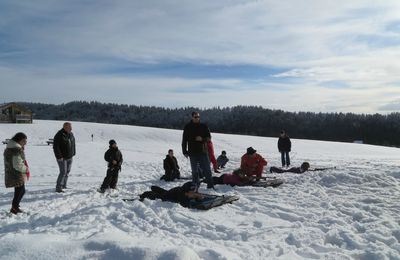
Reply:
x=196, y=145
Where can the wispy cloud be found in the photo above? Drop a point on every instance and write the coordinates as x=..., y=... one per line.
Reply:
x=343, y=54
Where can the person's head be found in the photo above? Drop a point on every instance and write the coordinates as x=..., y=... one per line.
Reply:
x=195, y=117
x=223, y=152
x=189, y=187
x=305, y=166
x=171, y=152
x=20, y=138
x=112, y=143
x=251, y=151
x=283, y=133
x=67, y=127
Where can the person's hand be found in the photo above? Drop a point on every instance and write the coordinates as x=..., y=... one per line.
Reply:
x=60, y=159
x=199, y=139
x=114, y=162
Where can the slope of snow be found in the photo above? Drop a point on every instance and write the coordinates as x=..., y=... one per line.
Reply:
x=350, y=212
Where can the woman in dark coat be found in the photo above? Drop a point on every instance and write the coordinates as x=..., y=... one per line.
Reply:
x=16, y=169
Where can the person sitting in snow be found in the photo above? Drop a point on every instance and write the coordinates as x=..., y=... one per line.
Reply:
x=114, y=158
x=252, y=164
x=181, y=194
x=222, y=160
x=305, y=166
x=171, y=167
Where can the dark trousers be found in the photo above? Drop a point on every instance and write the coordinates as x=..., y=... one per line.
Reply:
x=111, y=179
x=18, y=194
x=285, y=159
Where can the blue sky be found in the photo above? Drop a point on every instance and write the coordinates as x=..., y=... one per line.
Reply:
x=329, y=56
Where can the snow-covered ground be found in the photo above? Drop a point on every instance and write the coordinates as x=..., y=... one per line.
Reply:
x=351, y=212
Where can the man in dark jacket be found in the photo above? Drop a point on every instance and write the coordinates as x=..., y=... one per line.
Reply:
x=64, y=150
x=171, y=167
x=284, y=147
x=194, y=146
x=114, y=158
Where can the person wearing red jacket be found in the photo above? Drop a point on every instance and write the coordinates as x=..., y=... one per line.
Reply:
x=211, y=156
x=252, y=164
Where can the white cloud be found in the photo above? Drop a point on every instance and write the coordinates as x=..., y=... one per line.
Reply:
x=61, y=44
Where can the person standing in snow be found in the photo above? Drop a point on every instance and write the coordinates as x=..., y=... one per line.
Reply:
x=222, y=160
x=284, y=147
x=114, y=158
x=64, y=150
x=16, y=169
x=194, y=145
x=171, y=167
x=252, y=164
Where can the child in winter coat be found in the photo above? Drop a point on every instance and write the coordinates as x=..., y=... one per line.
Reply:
x=114, y=158
x=171, y=167
x=16, y=169
x=222, y=160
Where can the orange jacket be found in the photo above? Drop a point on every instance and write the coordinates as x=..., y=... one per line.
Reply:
x=253, y=165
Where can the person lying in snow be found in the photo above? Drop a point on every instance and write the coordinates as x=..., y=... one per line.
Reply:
x=237, y=177
x=181, y=194
x=305, y=166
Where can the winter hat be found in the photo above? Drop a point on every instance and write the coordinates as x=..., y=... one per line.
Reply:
x=189, y=186
x=251, y=150
x=112, y=141
x=223, y=152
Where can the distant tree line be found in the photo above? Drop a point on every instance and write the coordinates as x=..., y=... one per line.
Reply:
x=247, y=120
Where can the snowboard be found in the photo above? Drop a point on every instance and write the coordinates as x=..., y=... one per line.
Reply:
x=211, y=201
x=268, y=183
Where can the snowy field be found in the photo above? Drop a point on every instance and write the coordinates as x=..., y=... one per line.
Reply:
x=351, y=212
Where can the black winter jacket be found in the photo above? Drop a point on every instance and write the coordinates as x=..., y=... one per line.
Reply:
x=170, y=164
x=113, y=154
x=189, y=145
x=64, y=145
x=284, y=144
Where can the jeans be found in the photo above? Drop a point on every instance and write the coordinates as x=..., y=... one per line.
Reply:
x=285, y=155
x=200, y=164
x=65, y=168
x=18, y=194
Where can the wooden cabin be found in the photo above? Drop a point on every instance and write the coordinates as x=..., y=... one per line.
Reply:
x=14, y=113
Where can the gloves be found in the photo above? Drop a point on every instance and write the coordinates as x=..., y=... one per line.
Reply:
x=28, y=173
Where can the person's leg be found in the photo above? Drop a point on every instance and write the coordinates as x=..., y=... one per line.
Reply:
x=114, y=179
x=107, y=180
x=194, y=164
x=69, y=165
x=283, y=159
x=287, y=159
x=218, y=180
x=62, y=165
x=276, y=170
x=205, y=166
x=18, y=194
